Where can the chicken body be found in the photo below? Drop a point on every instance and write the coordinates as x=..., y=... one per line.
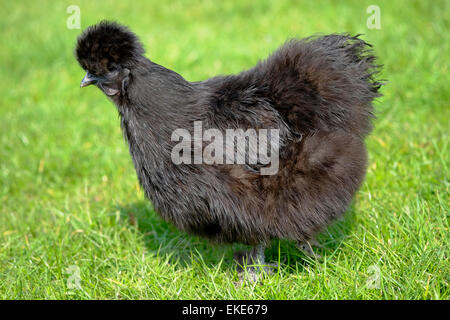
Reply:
x=318, y=92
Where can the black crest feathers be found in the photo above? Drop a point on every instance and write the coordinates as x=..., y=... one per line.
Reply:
x=106, y=44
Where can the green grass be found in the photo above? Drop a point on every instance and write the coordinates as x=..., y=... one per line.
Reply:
x=70, y=197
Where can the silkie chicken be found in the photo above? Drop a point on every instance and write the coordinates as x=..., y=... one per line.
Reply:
x=317, y=92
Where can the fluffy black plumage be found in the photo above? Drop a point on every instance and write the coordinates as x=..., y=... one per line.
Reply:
x=107, y=45
x=318, y=91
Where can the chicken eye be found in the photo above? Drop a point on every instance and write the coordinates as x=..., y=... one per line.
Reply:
x=112, y=67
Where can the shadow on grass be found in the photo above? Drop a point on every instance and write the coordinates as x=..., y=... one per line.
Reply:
x=164, y=240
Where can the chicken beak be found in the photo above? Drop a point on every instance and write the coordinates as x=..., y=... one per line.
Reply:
x=88, y=80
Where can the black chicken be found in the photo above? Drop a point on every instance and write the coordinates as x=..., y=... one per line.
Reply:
x=317, y=91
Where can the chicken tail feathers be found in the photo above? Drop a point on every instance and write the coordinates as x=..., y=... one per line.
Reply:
x=323, y=83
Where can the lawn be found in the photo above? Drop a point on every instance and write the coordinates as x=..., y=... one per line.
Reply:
x=74, y=223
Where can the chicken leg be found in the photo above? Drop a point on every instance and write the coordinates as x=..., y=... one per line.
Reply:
x=252, y=264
